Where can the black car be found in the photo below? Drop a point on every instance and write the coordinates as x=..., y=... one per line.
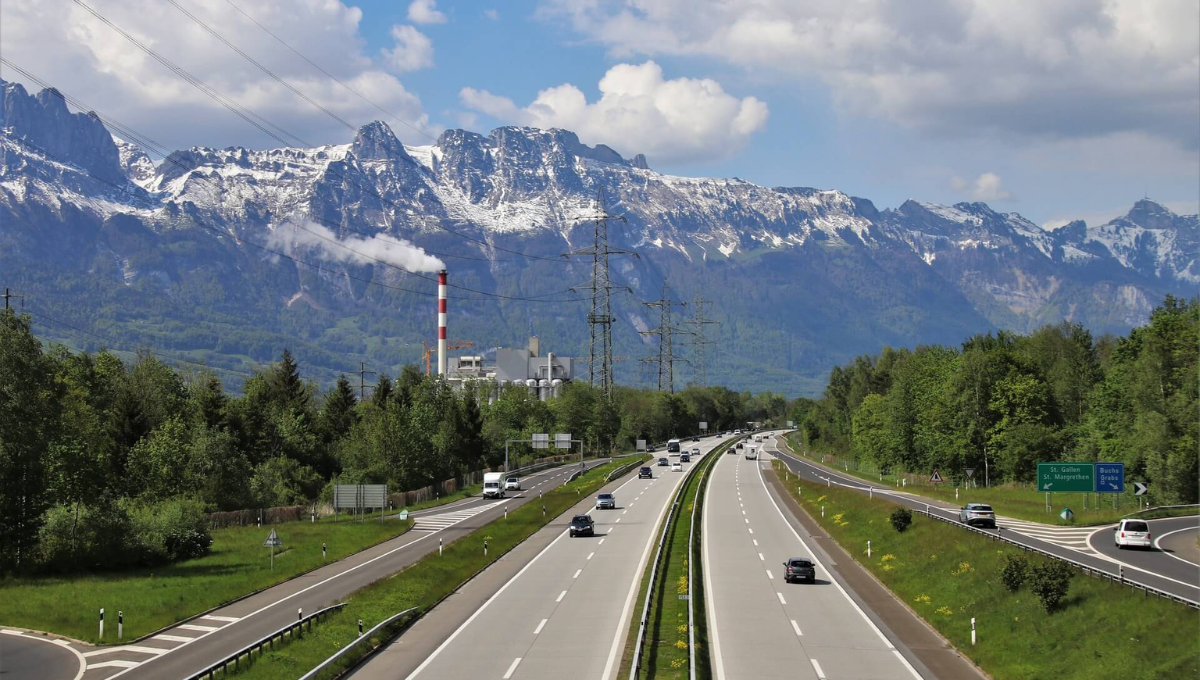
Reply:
x=662, y=462
x=645, y=473
x=799, y=568
x=685, y=458
x=651, y=448
x=582, y=525
x=739, y=445
x=695, y=439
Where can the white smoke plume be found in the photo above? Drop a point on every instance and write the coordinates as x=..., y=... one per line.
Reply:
x=298, y=240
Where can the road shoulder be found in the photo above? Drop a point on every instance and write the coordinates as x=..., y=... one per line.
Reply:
x=933, y=656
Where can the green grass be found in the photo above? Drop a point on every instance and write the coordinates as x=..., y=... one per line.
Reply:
x=1011, y=500
x=947, y=576
x=154, y=598
x=422, y=584
x=665, y=649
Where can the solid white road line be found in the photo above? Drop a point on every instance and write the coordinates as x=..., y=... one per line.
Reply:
x=513, y=668
x=173, y=638
x=1157, y=545
x=539, y=626
x=816, y=667
x=796, y=627
x=224, y=619
x=116, y=663
x=192, y=626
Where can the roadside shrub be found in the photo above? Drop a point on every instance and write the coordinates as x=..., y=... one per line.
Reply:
x=1050, y=582
x=169, y=531
x=901, y=518
x=1013, y=572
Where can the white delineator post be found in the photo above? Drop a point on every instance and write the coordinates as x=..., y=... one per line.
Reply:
x=441, y=322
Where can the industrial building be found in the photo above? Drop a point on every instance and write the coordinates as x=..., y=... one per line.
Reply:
x=523, y=366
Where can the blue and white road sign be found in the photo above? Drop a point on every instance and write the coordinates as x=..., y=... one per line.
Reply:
x=1110, y=477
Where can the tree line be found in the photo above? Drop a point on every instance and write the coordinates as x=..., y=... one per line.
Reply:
x=1003, y=402
x=107, y=464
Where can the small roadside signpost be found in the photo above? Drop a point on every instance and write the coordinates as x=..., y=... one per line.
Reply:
x=936, y=477
x=272, y=542
x=1141, y=488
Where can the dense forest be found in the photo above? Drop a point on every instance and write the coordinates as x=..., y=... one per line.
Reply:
x=1002, y=403
x=106, y=465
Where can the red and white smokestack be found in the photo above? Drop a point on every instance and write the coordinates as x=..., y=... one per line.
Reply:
x=441, y=351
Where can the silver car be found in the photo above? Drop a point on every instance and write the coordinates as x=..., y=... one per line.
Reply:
x=977, y=514
x=606, y=501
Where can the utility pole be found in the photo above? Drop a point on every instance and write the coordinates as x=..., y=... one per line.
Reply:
x=699, y=341
x=362, y=378
x=8, y=295
x=600, y=318
x=665, y=360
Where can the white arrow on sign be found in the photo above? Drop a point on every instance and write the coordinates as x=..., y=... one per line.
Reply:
x=1140, y=488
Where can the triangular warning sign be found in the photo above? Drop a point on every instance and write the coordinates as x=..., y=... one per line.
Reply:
x=936, y=477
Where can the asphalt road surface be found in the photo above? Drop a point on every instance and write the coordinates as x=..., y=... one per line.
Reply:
x=193, y=645
x=761, y=626
x=556, y=607
x=28, y=655
x=1174, y=554
x=1086, y=545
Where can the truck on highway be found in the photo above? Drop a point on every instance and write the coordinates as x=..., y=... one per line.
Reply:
x=493, y=485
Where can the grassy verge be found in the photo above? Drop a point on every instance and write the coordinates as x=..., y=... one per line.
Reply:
x=1011, y=500
x=154, y=598
x=665, y=651
x=422, y=584
x=1101, y=631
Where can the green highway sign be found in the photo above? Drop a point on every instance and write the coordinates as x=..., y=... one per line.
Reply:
x=1066, y=477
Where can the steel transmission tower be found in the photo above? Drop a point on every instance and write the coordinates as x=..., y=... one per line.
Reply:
x=665, y=360
x=600, y=318
x=699, y=339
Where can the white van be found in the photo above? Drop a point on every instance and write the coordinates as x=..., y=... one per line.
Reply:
x=493, y=485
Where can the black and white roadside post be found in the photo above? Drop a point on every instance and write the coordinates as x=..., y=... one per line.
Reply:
x=102, y=623
x=323, y=552
x=485, y=547
x=439, y=546
x=972, y=631
x=300, y=613
x=120, y=625
x=360, y=627
x=868, y=550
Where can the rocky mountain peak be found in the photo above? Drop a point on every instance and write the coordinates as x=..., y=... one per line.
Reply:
x=45, y=123
x=375, y=141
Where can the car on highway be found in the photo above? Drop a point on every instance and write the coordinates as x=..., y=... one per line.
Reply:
x=799, y=568
x=606, y=501
x=676, y=467
x=730, y=449
x=751, y=453
x=645, y=473
x=695, y=450
x=512, y=484
x=1132, y=533
x=977, y=514
x=651, y=449
x=685, y=458
x=663, y=462
x=582, y=525
x=695, y=439
x=739, y=445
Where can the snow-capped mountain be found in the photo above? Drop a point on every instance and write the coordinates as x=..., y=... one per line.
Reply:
x=801, y=277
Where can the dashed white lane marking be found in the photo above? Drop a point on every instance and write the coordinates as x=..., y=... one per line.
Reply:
x=539, y=626
x=755, y=542
x=761, y=558
x=796, y=627
x=192, y=626
x=115, y=663
x=750, y=530
x=618, y=520
x=577, y=573
x=770, y=575
x=590, y=555
x=747, y=521
x=126, y=648
x=780, y=596
x=816, y=667
x=561, y=596
x=224, y=619
x=172, y=638
x=513, y=668
x=602, y=541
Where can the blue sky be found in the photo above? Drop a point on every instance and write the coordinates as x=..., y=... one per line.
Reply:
x=1054, y=110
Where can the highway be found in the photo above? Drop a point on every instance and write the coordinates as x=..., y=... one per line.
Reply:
x=762, y=627
x=1091, y=546
x=555, y=607
x=193, y=645
x=29, y=655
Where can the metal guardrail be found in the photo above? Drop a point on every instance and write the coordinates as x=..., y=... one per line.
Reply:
x=1119, y=577
x=248, y=650
x=621, y=471
x=363, y=637
x=1160, y=507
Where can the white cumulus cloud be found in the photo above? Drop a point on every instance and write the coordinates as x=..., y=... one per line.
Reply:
x=425, y=12
x=63, y=44
x=1027, y=69
x=296, y=240
x=639, y=111
x=986, y=187
x=413, y=50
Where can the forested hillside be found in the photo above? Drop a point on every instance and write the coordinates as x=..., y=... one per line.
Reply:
x=1003, y=402
x=104, y=464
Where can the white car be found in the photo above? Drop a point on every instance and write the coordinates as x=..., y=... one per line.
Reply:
x=676, y=467
x=696, y=451
x=512, y=484
x=1132, y=533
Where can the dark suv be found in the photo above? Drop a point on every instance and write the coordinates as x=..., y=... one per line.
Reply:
x=582, y=525
x=685, y=458
x=799, y=568
x=645, y=473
